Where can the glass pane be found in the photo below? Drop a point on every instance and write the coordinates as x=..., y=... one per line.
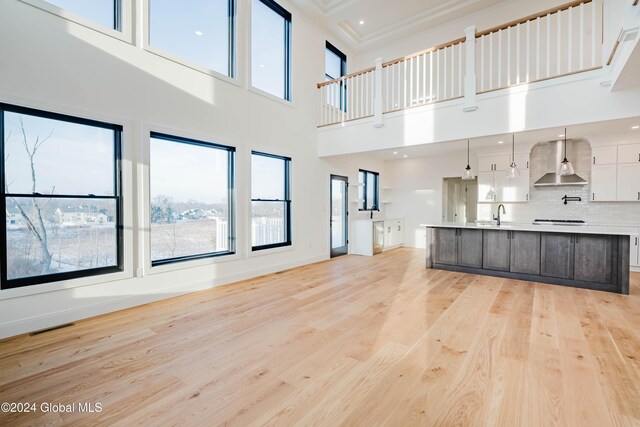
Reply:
x=268, y=223
x=100, y=11
x=267, y=177
x=74, y=234
x=371, y=189
x=196, y=30
x=54, y=157
x=189, y=199
x=333, y=65
x=267, y=50
x=338, y=217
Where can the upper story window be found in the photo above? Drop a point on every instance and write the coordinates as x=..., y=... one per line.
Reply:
x=192, y=204
x=271, y=48
x=270, y=201
x=104, y=12
x=201, y=32
x=335, y=65
x=368, y=190
x=60, y=191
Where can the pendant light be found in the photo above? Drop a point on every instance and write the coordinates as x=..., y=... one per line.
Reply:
x=513, y=168
x=566, y=168
x=467, y=175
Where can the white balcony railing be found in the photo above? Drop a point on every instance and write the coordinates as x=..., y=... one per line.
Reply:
x=553, y=43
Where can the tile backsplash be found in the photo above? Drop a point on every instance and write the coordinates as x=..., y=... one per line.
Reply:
x=546, y=202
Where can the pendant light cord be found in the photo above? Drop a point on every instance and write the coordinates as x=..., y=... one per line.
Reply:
x=565, y=144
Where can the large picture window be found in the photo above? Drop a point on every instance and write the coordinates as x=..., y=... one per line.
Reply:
x=191, y=185
x=104, y=12
x=201, y=32
x=271, y=48
x=270, y=201
x=368, y=190
x=61, y=196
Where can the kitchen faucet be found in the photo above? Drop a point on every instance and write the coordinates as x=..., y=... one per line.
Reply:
x=497, y=218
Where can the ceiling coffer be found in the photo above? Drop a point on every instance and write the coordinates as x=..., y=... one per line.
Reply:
x=555, y=156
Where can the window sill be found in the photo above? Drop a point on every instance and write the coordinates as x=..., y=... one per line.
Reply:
x=270, y=251
x=190, y=264
x=265, y=94
x=185, y=63
x=62, y=285
x=124, y=35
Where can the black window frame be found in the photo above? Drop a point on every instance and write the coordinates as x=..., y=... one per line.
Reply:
x=231, y=151
x=343, y=72
x=5, y=283
x=232, y=43
x=286, y=15
x=287, y=201
x=375, y=206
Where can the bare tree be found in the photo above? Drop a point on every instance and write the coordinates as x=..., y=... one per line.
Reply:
x=35, y=225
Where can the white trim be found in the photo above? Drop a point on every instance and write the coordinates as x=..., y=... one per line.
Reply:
x=148, y=47
x=268, y=95
x=126, y=194
x=126, y=7
x=120, y=303
x=144, y=200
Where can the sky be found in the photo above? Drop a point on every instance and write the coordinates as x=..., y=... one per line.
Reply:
x=198, y=31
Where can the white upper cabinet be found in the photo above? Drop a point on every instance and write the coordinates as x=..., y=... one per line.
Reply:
x=502, y=162
x=493, y=173
x=629, y=182
x=629, y=153
x=604, y=155
x=603, y=183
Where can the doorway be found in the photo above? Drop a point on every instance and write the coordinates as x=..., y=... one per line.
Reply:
x=339, y=222
x=460, y=200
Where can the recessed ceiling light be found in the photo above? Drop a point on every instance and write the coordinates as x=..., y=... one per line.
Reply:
x=635, y=127
x=361, y=22
x=500, y=142
x=405, y=156
x=199, y=33
x=561, y=135
x=261, y=65
x=395, y=152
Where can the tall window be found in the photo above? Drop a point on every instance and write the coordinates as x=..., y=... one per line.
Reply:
x=104, y=12
x=271, y=48
x=368, y=190
x=335, y=66
x=270, y=201
x=202, y=32
x=60, y=192
x=191, y=199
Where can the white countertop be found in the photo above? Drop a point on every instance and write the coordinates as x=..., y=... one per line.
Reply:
x=581, y=229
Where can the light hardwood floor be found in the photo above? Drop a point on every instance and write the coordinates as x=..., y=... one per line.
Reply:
x=353, y=341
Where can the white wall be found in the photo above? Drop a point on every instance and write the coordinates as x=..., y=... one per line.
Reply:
x=53, y=64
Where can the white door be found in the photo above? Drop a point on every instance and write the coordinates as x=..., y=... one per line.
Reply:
x=603, y=183
x=522, y=161
x=629, y=153
x=388, y=234
x=629, y=182
x=516, y=189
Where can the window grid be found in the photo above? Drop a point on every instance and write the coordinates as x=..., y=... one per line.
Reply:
x=231, y=239
x=369, y=205
x=7, y=283
x=286, y=201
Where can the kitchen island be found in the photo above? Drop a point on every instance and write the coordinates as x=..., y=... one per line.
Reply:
x=591, y=257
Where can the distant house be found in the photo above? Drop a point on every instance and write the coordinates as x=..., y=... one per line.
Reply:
x=199, y=213
x=76, y=215
x=13, y=218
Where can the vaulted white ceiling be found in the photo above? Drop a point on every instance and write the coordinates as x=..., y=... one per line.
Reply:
x=384, y=21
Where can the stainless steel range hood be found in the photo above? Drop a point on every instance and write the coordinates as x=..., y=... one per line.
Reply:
x=555, y=155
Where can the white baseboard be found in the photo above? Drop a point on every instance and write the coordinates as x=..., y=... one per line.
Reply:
x=120, y=303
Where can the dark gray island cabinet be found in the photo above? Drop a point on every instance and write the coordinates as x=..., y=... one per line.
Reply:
x=581, y=259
